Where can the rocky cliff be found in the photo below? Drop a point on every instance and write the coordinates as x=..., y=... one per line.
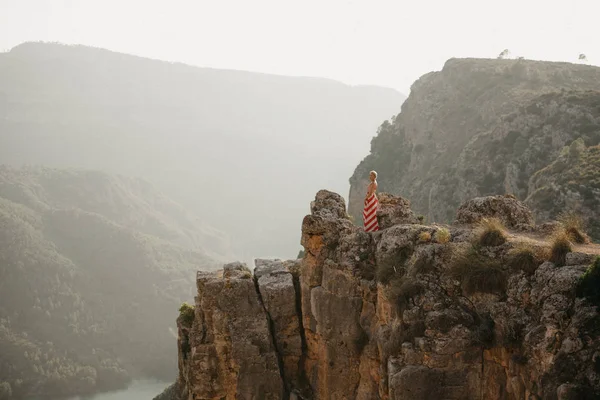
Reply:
x=484, y=127
x=411, y=312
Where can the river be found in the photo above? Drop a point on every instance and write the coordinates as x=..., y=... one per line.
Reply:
x=138, y=390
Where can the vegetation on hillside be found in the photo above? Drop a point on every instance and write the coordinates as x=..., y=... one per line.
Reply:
x=86, y=301
x=191, y=132
x=486, y=127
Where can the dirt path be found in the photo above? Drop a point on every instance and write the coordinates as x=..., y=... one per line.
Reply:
x=592, y=248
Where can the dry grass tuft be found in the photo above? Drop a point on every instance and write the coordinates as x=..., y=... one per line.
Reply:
x=526, y=257
x=491, y=232
x=560, y=247
x=574, y=227
x=442, y=236
x=478, y=273
x=402, y=290
x=424, y=237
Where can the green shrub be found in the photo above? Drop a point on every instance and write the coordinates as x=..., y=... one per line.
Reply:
x=186, y=315
x=300, y=254
x=424, y=237
x=589, y=284
x=491, y=232
x=442, y=236
x=560, y=247
x=477, y=273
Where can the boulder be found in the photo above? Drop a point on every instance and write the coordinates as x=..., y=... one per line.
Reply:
x=394, y=210
x=508, y=209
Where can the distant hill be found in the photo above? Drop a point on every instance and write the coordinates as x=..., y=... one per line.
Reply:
x=482, y=127
x=93, y=268
x=245, y=151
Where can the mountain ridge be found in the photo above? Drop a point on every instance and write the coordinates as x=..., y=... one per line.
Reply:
x=445, y=145
x=191, y=132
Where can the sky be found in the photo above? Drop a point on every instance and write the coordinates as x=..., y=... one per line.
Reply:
x=374, y=42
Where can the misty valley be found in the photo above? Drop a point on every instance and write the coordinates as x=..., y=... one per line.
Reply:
x=173, y=232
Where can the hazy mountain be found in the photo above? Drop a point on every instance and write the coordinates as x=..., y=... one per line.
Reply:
x=245, y=151
x=482, y=127
x=93, y=268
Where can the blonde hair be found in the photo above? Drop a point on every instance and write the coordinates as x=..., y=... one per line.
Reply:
x=374, y=173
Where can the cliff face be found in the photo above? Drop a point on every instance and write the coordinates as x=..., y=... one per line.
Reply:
x=482, y=127
x=411, y=312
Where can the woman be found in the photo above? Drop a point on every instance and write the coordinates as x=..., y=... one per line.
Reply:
x=371, y=205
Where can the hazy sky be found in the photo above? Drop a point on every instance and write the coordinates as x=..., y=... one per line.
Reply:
x=382, y=42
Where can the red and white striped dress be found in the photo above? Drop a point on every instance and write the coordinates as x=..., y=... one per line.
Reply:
x=370, y=214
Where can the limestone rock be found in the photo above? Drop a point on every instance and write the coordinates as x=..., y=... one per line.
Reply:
x=229, y=353
x=394, y=210
x=507, y=209
x=278, y=294
x=384, y=316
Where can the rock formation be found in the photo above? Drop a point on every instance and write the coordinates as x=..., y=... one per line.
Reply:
x=486, y=127
x=507, y=209
x=412, y=312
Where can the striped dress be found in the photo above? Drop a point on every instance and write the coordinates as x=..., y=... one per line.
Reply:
x=370, y=214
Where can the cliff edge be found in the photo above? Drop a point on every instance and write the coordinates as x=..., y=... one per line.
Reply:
x=471, y=311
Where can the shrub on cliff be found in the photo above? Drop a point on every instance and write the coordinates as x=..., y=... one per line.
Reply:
x=573, y=225
x=478, y=273
x=442, y=236
x=560, y=247
x=402, y=290
x=526, y=257
x=186, y=315
x=424, y=237
x=491, y=232
x=589, y=283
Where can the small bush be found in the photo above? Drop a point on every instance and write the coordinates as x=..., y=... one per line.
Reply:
x=589, y=283
x=442, y=235
x=186, y=315
x=573, y=225
x=300, y=254
x=425, y=236
x=560, y=247
x=477, y=273
x=491, y=232
x=525, y=257
x=421, y=219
